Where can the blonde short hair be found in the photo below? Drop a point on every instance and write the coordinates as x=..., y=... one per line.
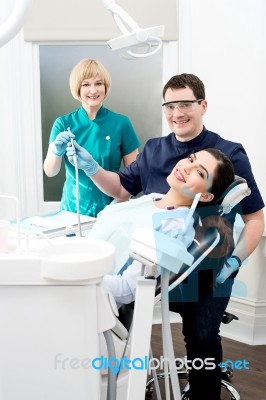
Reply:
x=87, y=69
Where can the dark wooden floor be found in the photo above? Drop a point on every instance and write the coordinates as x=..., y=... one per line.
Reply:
x=251, y=384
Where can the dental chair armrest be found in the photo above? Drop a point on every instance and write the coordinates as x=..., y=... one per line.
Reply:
x=126, y=312
x=120, y=330
x=160, y=249
x=196, y=250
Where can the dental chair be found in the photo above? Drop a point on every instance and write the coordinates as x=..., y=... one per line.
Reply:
x=141, y=251
x=183, y=373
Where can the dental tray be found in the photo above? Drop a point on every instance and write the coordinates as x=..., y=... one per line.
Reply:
x=56, y=224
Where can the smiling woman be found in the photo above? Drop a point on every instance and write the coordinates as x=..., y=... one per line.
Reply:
x=208, y=172
x=132, y=90
x=199, y=173
x=194, y=175
x=109, y=136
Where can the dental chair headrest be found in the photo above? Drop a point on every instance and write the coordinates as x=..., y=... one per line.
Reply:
x=234, y=194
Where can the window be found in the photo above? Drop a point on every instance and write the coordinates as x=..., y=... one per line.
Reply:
x=136, y=92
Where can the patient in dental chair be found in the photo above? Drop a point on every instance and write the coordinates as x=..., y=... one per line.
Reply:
x=208, y=172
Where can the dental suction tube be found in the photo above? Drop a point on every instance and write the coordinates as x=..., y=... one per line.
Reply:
x=132, y=33
x=15, y=21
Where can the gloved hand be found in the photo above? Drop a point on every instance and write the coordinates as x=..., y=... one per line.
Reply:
x=61, y=141
x=231, y=265
x=84, y=159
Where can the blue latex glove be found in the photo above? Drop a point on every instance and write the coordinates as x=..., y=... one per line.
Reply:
x=61, y=141
x=230, y=266
x=84, y=159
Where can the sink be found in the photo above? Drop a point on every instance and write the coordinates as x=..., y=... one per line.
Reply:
x=76, y=259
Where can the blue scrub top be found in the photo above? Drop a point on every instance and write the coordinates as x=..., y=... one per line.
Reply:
x=108, y=138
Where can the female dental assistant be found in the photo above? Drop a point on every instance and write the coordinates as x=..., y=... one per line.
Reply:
x=109, y=136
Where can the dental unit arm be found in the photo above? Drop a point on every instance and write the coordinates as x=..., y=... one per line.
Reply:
x=132, y=33
x=15, y=21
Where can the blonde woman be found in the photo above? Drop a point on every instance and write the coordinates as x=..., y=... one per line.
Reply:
x=109, y=136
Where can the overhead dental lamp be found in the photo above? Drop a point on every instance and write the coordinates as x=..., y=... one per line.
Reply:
x=15, y=21
x=132, y=33
x=146, y=40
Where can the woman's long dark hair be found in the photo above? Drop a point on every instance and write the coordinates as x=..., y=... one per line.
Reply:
x=223, y=177
x=210, y=218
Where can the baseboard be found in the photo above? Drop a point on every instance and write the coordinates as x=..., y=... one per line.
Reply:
x=251, y=326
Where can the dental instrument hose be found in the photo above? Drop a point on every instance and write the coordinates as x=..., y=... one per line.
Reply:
x=167, y=335
x=77, y=184
x=112, y=378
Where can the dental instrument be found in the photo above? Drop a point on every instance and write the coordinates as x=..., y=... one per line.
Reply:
x=77, y=182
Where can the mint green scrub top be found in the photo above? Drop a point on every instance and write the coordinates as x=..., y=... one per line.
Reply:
x=107, y=138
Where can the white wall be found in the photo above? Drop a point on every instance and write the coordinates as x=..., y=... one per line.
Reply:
x=19, y=175
x=223, y=42
x=94, y=21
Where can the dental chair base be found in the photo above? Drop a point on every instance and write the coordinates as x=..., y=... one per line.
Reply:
x=139, y=247
x=184, y=374
x=131, y=379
